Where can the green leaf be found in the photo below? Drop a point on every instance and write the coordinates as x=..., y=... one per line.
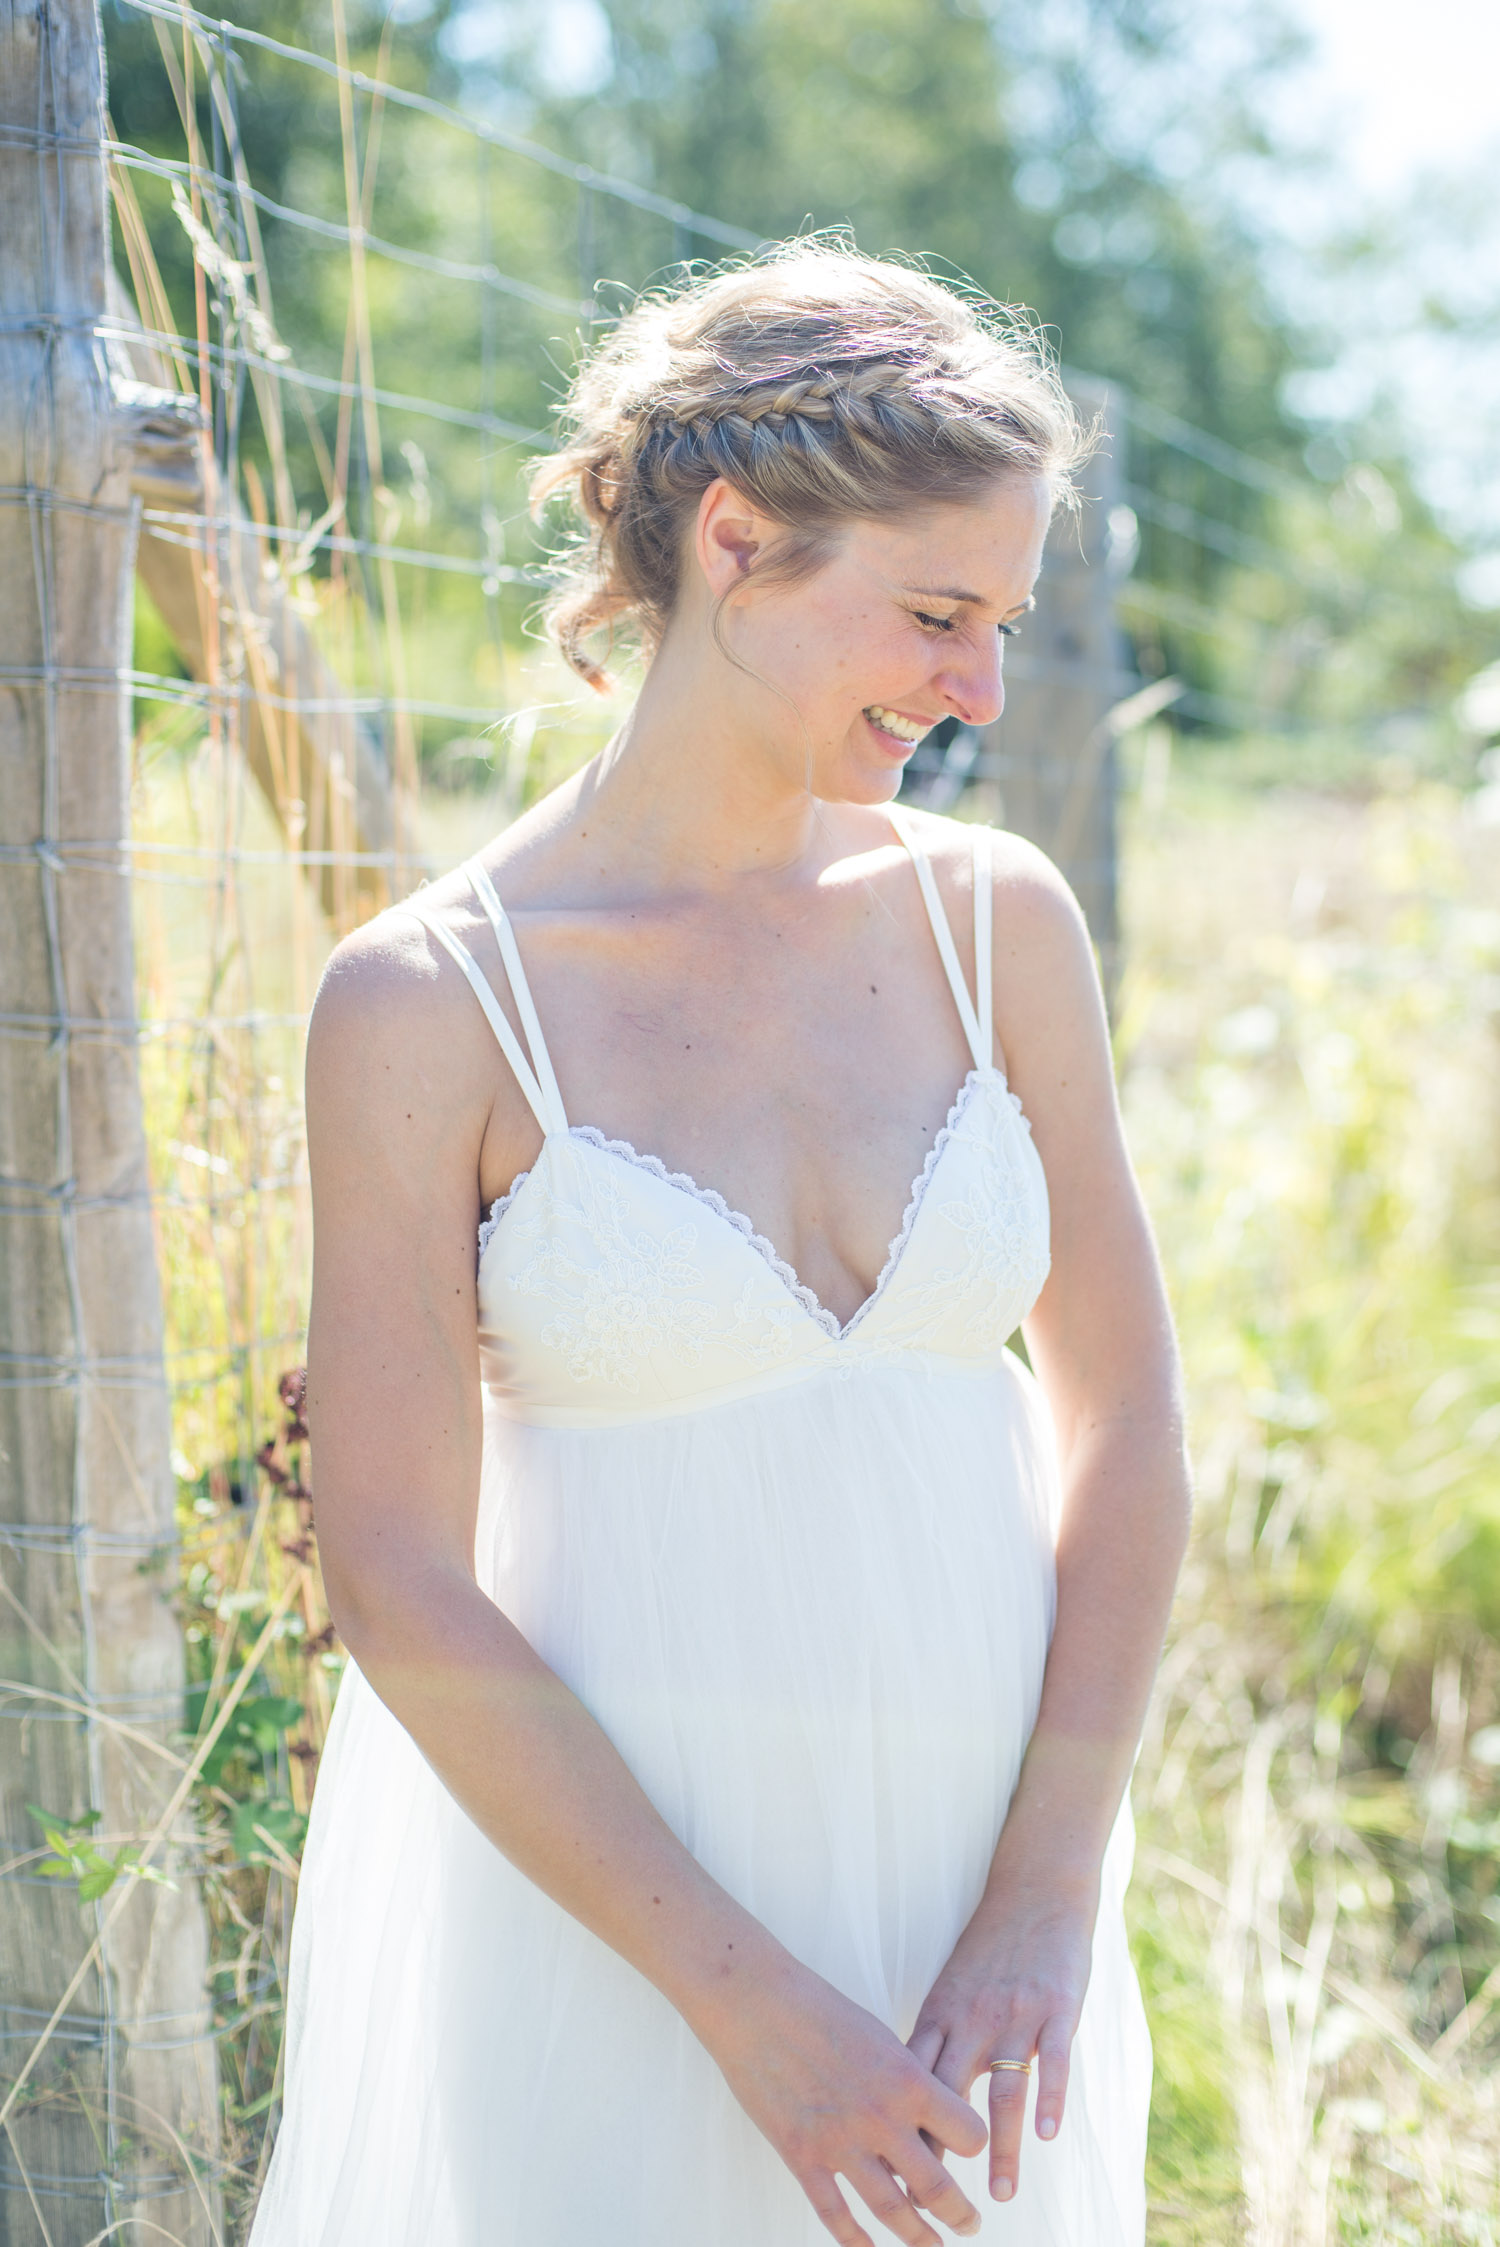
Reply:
x=223, y=1751
x=129, y=1860
x=256, y=2106
x=267, y=1717
x=97, y=1882
x=277, y=1818
x=253, y=1730
x=50, y=1820
x=56, y=1868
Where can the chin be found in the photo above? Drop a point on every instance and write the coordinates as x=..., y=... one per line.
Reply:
x=865, y=780
x=850, y=769
x=881, y=787
x=861, y=785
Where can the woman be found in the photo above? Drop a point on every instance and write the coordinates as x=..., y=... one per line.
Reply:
x=706, y=1813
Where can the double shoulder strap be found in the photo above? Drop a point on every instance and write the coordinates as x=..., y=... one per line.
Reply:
x=534, y=1074
x=977, y=1014
x=532, y=1063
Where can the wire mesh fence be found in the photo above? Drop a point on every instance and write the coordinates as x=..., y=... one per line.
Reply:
x=334, y=389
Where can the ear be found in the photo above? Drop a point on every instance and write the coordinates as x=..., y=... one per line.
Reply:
x=729, y=535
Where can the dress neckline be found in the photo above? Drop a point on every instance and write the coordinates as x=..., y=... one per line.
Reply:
x=532, y=1064
x=683, y=1182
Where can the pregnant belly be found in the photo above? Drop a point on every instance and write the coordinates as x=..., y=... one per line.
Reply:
x=814, y=1625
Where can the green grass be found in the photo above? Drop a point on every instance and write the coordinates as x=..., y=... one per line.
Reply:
x=1311, y=1081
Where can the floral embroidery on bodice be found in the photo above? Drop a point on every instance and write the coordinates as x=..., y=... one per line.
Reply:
x=611, y=1288
x=618, y=1290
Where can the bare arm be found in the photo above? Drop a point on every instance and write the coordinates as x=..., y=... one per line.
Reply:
x=1101, y=1342
x=401, y=1091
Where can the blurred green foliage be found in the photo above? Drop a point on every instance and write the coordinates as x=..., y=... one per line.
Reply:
x=945, y=129
x=1106, y=179
x=1312, y=1080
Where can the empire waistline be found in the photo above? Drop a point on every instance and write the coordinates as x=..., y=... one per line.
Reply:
x=835, y=1373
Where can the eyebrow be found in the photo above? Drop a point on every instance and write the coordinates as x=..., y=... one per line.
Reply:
x=958, y=593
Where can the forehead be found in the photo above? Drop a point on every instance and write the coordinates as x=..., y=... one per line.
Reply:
x=989, y=547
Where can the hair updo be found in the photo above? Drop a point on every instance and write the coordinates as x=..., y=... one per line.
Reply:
x=824, y=386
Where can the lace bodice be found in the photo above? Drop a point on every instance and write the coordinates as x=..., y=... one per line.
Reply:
x=611, y=1288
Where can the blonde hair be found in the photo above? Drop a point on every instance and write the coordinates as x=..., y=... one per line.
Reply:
x=825, y=387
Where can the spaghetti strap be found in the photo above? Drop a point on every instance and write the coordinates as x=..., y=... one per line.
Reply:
x=979, y=1031
x=505, y=937
x=984, y=952
x=538, y=1084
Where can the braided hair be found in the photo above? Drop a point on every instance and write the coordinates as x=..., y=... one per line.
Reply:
x=825, y=387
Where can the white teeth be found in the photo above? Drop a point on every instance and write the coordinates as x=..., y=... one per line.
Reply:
x=892, y=722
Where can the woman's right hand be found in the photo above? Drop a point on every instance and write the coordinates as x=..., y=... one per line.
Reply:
x=839, y=2095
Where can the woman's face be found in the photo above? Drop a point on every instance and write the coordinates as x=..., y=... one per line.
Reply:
x=904, y=625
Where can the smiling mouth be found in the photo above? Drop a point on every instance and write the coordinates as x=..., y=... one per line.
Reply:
x=908, y=731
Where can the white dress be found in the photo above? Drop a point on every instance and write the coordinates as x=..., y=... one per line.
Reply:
x=803, y=1576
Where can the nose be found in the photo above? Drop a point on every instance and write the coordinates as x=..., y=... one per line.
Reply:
x=972, y=683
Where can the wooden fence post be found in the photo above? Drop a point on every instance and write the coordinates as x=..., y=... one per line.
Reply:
x=1053, y=750
x=316, y=762
x=90, y=1651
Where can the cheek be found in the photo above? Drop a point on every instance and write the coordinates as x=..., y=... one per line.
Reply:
x=836, y=655
x=862, y=653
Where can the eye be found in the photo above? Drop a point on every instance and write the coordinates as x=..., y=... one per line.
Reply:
x=1011, y=631
x=935, y=623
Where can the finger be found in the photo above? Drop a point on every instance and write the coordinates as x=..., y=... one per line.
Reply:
x=941, y=2067
x=952, y=2068
x=888, y=2204
x=1008, y=2088
x=1054, y=2048
x=950, y=2123
x=931, y=2188
x=925, y=2044
x=832, y=2210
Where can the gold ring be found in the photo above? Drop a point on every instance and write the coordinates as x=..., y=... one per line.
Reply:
x=1014, y=2067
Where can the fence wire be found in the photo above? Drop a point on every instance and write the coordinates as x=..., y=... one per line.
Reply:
x=297, y=763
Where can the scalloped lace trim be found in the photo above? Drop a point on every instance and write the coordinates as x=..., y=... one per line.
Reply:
x=715, y=1201
x=918, y=1192
x=499, y=1207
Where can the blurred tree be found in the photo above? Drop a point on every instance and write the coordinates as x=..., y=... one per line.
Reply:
x=1104, y=162
x=929, y=125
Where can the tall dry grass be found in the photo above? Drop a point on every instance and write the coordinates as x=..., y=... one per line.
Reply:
x=1312, y=1078
x=230, y=946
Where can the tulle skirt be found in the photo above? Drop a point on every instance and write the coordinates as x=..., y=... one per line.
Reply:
x=814, y=1623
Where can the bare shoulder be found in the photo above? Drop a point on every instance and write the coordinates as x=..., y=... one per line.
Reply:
x=378, y=985
x=1033, y=903
x=1049, y=1008
x=392, y=1009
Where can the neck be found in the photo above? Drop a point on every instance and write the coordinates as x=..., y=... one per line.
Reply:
x=699, y=788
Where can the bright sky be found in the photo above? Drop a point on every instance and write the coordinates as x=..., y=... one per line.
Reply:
x=1409, y=86
x=1398, y=95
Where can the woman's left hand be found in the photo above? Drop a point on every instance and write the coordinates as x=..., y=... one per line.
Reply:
x=1012, y=1990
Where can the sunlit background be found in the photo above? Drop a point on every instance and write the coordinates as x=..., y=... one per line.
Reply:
x=1267, y=238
